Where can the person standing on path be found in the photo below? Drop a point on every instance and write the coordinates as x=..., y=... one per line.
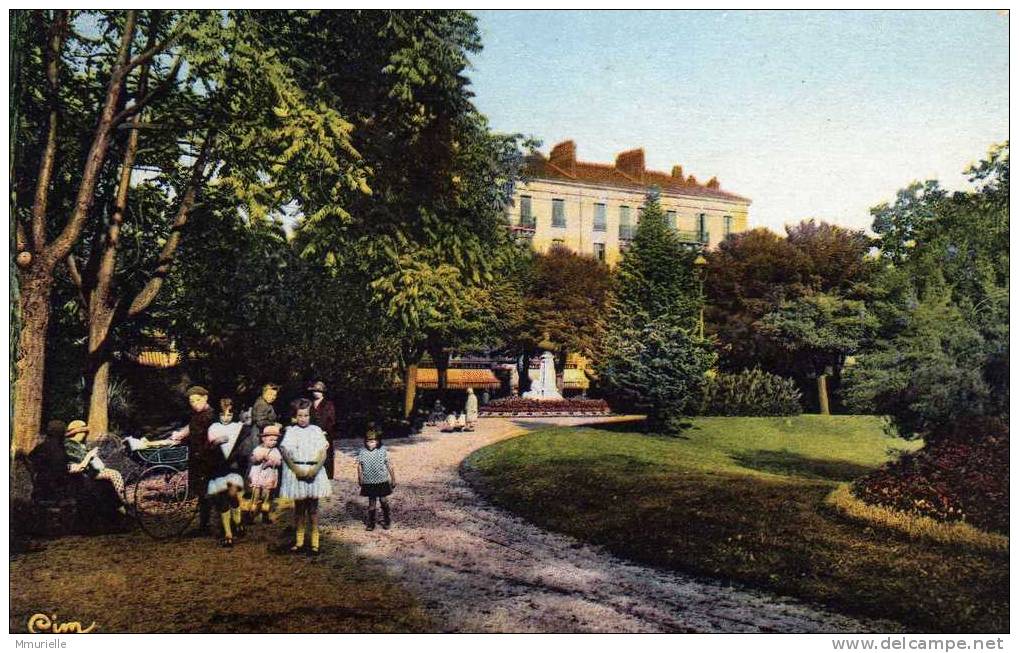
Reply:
x=323, y=415
x=471, y=410
x=226, y=484
x=262, y=415
x=262, y=412
x=304, y=454
x=375, y=476
x=201, y=454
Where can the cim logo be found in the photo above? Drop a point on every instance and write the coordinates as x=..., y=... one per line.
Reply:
x=40, y=623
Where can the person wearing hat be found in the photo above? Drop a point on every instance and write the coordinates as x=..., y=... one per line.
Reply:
x=49, y=462
x=203, y=456
x=264, y=473
x=323, y=415
x=85, y=460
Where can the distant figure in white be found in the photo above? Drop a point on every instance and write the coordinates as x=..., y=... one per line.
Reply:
x=471, y=409
x=544, y=387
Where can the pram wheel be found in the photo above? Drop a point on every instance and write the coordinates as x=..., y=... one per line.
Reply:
x=163, y=505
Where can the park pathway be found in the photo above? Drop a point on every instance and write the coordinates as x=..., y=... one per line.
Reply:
x=477, y=568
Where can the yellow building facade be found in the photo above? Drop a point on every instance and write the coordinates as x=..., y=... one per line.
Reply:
x=594, y=208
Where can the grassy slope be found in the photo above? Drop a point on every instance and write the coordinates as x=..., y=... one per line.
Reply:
x=742, y=499
x=129, y=583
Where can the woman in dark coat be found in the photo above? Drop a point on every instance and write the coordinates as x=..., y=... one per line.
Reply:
x=323, y=415
x=49, y=463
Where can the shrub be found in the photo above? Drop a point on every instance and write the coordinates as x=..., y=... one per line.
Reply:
x=953, y=478
x=657, y=369
x=750, y=393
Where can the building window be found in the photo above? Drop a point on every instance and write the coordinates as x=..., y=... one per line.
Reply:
x=526, y=217
x=702, y=227
x=728, y=225
x=670, y=219
x=558, y=213
x=599, y=251
x=599, y=217
x=625, y=227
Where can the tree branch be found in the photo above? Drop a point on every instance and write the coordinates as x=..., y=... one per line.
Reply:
x=100, y=291
x=148, y=293
x=73, y=271
x=54, y=44
x=61, y=246
x=148, y=97
x=150, y=52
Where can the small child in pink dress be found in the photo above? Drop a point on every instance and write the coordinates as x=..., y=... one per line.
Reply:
x=264, y=474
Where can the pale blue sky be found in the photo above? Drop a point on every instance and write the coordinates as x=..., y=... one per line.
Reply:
x=810, y=114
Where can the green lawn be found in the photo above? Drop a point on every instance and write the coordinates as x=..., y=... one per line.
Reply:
x=742, y=499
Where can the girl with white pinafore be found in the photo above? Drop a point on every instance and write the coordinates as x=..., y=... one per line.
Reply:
x=304, y=448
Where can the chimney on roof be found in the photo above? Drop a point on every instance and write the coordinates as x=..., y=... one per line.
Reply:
x=631, y=164
x=564, y=157
x=712, y=183
x=677, y=173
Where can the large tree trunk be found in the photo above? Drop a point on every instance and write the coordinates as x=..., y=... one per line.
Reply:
x=99, y=403
x=97, y=373
x=37, y=267
x=31, y=359
x=822, y=393
x=523, y=373
x=441, y=357
x=410, y=387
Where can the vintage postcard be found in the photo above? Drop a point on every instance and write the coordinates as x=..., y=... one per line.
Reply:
x=509, y=321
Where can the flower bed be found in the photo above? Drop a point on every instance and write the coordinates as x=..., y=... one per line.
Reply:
x=949, y=480
x=521, y=407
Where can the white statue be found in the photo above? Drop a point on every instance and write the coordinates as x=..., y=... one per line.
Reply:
x=544, y=387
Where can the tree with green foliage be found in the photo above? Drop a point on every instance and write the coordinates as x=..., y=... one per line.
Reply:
x=749, y=275
x=654, y=361
x=567, y=298
x=191, y=98
x=657, y=368
x=942, y=356
x=434, y=229
x=820, y=331
x=929, y=375
x=900, y=225
x=758, y=273
x=656, y=276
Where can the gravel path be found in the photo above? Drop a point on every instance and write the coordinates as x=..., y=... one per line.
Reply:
x=477, y=568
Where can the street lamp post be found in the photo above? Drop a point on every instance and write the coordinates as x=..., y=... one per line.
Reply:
x=700, y=264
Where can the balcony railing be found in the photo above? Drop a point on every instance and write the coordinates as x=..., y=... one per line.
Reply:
x=698, y=237
x=524, y=226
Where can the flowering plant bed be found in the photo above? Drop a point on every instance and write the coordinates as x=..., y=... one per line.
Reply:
x=521, y=407
x=953, y=479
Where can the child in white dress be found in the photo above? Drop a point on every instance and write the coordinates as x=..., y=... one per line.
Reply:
x=304, y=448
x=227, y=484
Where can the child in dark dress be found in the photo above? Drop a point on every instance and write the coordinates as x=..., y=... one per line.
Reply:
x=375, y=476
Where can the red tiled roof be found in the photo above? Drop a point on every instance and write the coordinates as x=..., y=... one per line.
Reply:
x=602, y=174
x=457, y=379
